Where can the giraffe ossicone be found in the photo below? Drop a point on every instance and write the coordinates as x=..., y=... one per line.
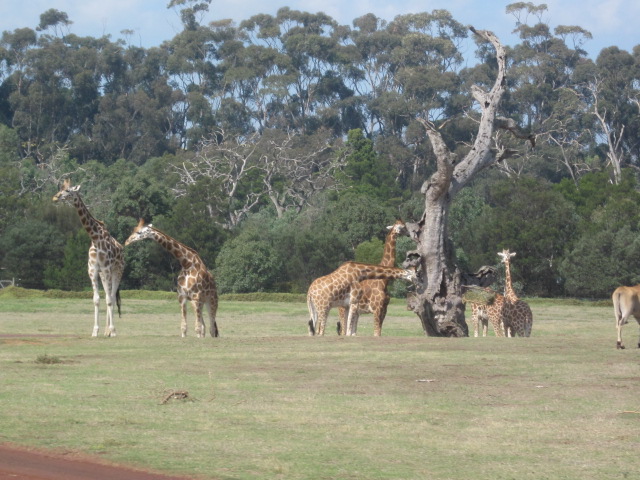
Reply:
x=195, y=282
x=342, y=288
x=106, y=258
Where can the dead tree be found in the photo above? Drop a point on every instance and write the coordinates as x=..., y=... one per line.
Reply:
x=437, y=301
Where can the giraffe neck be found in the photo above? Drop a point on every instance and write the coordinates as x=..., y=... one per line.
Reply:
x=508, y=288
x=94, y=228
x=361, y=271
x=389, y=255
x=185, y=255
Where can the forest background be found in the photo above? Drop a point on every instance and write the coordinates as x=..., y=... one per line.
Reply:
x=283, y=145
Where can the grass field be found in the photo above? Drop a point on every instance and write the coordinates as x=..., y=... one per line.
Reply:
x=265, y=401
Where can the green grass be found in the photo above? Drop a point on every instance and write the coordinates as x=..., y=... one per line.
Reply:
x=266, y=401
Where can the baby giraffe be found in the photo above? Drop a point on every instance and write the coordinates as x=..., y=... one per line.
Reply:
x=195, y=282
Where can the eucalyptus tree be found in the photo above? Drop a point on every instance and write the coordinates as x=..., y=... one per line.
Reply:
x=192, y=66
x=40, y=100
x=542, y=97
x=398, y=69
x=52, y=84
x=298, y=79
x=611, y=93
x=135, y=119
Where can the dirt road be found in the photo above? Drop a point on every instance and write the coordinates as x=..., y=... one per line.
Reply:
x=18, y=463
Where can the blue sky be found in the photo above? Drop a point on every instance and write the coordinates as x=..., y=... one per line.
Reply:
x=612, y=22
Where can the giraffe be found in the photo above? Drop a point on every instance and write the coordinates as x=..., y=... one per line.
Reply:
x=195, y=282
x=375, y=298
x=518, y=318
x=491, y=312
x=342, y=288
x=106, y=258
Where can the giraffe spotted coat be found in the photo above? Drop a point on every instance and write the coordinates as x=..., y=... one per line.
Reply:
x=342, y=288
x=489, y=313
x=106, y=258
x=517, y=318
x=375, y=298
x=195, y=283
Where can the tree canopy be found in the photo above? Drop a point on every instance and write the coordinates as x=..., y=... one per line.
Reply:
x=286, y=142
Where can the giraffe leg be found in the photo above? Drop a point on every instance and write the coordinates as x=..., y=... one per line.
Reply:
x=354, y=322
x=93, y=275
x=377, y=322
x=498, y=328
x=496, y=323
x=342, y=323
x=322, y=320
x=474, y=321
x=183, y=310
x=313, y=316
x=199, y=322
x=109, y=301
x=212, y=308
x=354, y=303
x=378, y=317
x=110, y=293
x=352, y=319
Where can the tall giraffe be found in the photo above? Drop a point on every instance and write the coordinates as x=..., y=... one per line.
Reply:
x=106, y=259
x=518, y=318
x=195, y=282
x=342, y=288
x=375, y=298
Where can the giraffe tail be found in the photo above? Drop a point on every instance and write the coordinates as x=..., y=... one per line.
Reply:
x=314, y=317
x=118, y=302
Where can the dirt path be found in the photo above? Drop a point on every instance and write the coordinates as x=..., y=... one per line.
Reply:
x=18, y=463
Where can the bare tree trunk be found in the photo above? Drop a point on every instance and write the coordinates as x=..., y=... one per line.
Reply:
x=438, y=301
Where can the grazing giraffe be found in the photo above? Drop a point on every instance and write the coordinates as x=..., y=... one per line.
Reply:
x=195, y=282
x=375, y=298
x=342, y=288
x=492, y=312
x=518, y=318
x=106, y=258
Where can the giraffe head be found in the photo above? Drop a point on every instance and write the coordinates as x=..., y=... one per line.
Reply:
x=398, y=228
x=67, y=193
x=505, y=255
x=411, y=275
x=141, y=232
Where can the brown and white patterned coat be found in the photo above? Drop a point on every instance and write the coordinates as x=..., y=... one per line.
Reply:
x=106, y=258
x=489, y=313
x=195, y=282
x=342, y=288
x=518, y=318
x=375, y=298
